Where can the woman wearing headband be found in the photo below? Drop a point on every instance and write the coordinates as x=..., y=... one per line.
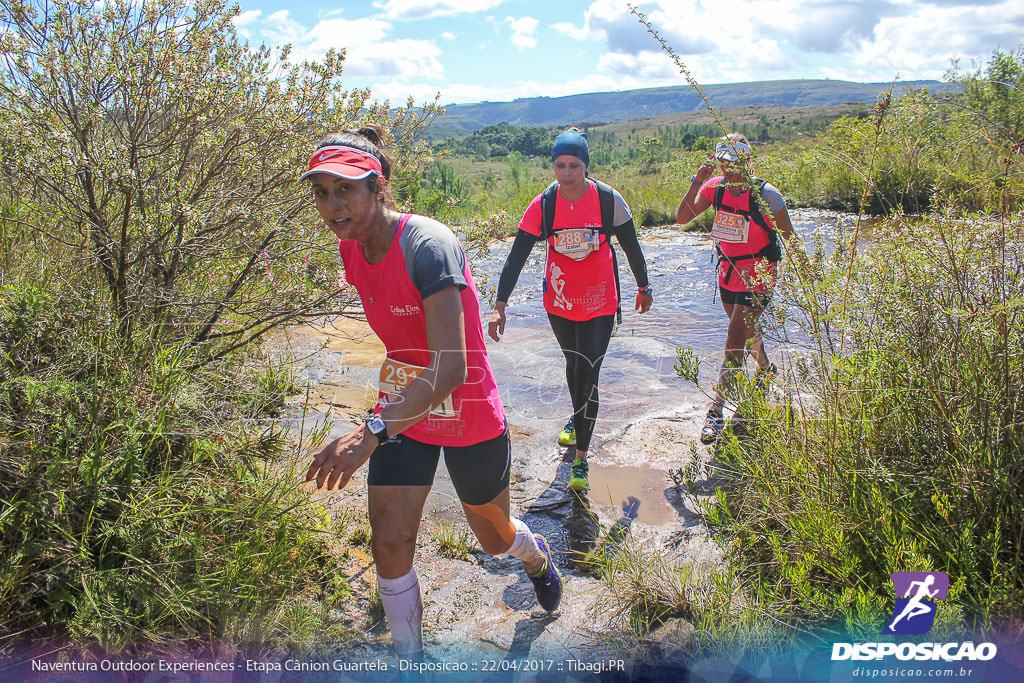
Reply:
x=576, y=217
x=746, y=230
x=437, y=391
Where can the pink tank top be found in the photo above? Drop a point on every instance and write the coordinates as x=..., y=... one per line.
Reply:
x=394, y=310
x=575, y=288
x=748, y=241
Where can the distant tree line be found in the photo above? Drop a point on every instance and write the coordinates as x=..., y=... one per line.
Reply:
x=610, y=147
x=500, y=140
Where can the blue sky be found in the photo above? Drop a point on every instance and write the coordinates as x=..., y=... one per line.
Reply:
x=498, y=50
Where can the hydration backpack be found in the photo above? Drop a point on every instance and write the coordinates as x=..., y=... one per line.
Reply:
x=771, y=251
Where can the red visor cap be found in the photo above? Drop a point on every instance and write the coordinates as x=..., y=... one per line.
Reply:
x=344, y=162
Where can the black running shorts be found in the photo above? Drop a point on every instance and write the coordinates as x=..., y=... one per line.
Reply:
x=479, y=472
x=752, y=299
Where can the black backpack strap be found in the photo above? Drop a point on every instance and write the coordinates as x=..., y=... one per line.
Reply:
x=606, y=198
x=755, y=205
x=548, y=198
x=773, y=250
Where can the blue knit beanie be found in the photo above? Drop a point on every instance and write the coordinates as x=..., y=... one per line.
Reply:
x=573, y=143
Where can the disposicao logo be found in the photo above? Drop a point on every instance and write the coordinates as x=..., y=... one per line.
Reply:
x=916, y=593
x=914, y=614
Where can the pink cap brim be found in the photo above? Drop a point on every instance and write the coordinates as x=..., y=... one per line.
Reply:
x=340, y=170
x=344, y=162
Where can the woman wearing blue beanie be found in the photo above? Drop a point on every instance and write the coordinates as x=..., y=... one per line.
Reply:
x=576, y=216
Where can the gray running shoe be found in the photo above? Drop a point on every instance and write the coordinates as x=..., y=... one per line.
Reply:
x=548, y=585
x=713, y=425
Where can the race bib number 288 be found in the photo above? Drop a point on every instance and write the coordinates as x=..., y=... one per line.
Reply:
x=396, y=376
x=576, y=242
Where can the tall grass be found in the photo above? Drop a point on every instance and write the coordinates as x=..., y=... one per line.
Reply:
x=898, y=447
x=141, y=506
x=897, y=444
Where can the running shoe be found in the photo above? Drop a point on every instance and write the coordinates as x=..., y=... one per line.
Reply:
x=578, y=480
x=548, y=583
x=762, y=378
x=568, y=435
x=713, y=425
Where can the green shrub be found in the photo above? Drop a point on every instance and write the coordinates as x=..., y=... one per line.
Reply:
x=139, y=509
x=898, y=449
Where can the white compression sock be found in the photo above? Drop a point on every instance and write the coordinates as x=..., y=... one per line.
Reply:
x=525, y=547
x=403, y=606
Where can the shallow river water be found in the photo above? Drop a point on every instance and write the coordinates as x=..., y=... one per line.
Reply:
x=638, y=380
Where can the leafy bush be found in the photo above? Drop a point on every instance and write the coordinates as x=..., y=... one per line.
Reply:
x=899, y=447
x=921, y=153
x=138, y=509
x=150, y=138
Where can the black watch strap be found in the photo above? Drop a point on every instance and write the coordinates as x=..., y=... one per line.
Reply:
x=378, y=428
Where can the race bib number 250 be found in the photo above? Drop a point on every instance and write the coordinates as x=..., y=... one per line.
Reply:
x=730, y=227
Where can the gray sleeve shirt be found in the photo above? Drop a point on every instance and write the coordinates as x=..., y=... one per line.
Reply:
x=433, y=256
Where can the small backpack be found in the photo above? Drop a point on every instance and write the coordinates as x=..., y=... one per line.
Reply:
x=771, y=251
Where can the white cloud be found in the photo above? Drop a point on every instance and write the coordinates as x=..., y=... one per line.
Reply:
x=402, y=59
x=369, y=54
x=612, y=22
x=244, y=20
x=405, y=10
x=448, y=35
x=522, y=31
x=278, y=28
x=571, y=30
x=646, y=65
x=868, y=40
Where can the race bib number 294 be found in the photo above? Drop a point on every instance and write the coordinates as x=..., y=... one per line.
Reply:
x=396, y=376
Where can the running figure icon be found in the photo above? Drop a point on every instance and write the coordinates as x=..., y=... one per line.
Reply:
x=915, y=608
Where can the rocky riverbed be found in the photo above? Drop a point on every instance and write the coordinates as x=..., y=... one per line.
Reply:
x=481, y=607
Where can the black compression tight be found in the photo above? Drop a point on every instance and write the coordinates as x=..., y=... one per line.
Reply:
x=584, y=343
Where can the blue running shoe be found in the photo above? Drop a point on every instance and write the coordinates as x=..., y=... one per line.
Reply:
x=578, y=476
x=548, y=584
x=567, y=437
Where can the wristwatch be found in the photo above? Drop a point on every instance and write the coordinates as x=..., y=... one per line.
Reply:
x=377, y=428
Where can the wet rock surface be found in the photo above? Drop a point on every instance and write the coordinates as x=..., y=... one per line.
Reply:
x=485, y=607
x=482, y=606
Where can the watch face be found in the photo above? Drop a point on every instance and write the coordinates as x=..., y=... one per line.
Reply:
x=376, y=425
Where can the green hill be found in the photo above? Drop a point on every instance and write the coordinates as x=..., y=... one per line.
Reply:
x=461, y=119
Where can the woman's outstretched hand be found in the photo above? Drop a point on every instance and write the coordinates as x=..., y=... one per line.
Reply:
x=496, y=325
x=339, y=460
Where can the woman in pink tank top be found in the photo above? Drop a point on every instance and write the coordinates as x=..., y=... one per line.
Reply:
x=750, y=215
x=437, y=391
x=576, y=218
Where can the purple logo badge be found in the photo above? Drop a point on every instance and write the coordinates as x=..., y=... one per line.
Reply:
x=916, y=593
